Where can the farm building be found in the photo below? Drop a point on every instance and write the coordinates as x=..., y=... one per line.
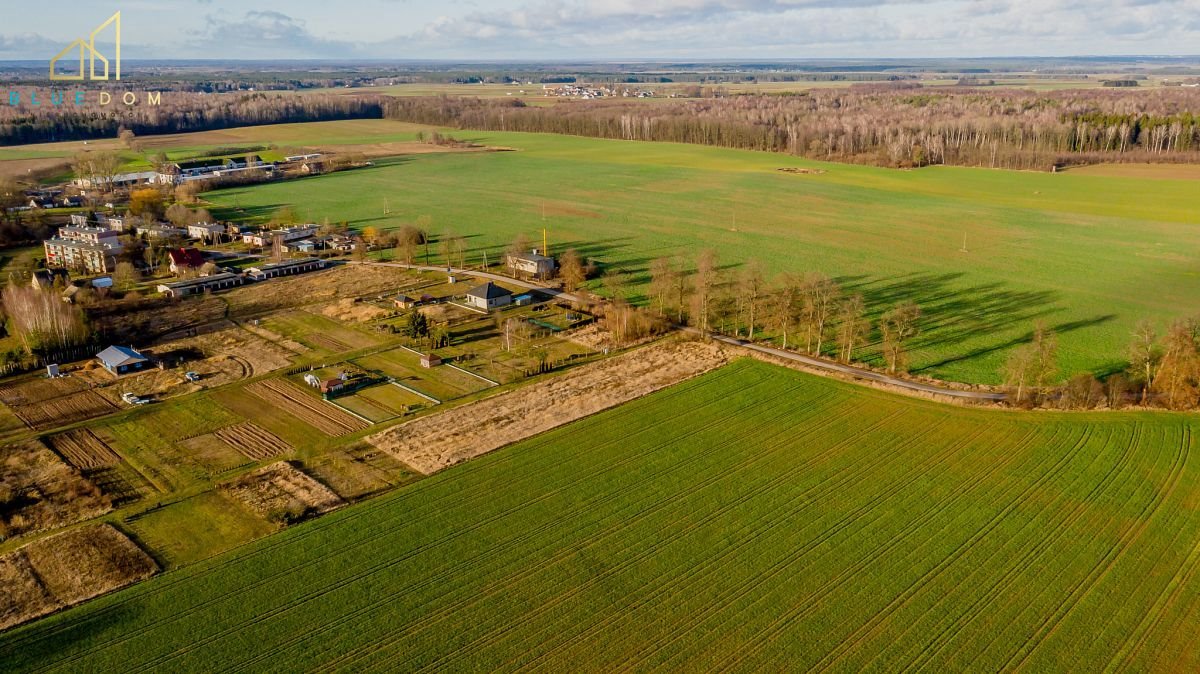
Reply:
x=287, y=268
x=185, y=259
x=196, y=286
x=532, y=264
x=488, y=296
x=404, y=302
x=121, y=360
x=332, y=385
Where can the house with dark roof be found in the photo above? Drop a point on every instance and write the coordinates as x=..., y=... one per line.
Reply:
x=488, y=296
x=44, y=279
x=121, y=360
x=185, y=259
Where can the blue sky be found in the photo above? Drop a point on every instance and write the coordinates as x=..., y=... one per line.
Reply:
x=599, y=29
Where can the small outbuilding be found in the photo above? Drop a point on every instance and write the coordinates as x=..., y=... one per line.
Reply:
x=121, y=360
x=489, y=296
x=404, y=302
x=429, y=360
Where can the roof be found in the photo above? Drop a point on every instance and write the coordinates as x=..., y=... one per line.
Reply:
x=488, y=291
x=186, y=257
x=532, y=257
x=116, y=356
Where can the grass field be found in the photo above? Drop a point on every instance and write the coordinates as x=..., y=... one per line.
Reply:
x=789, y=523
x=1091, y=255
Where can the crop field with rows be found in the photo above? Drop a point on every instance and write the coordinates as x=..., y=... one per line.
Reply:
x=753, y=518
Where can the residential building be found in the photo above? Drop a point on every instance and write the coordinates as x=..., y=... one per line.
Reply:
x=532, y=264
x=44, y=279
x=161, y=231
x=263, y=239
x=121, y=360
x=197, y=286
x=209, y=232
x=488, y=296
x=185, y=259
x=90, y=249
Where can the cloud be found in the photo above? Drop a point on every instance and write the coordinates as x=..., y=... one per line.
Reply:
x=28, y=46
x=263, y=34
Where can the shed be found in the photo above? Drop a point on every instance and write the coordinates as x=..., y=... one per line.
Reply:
x=429, y=360
x=488, y=296
x=523, y=300
x=404, y=302
x=121, y=360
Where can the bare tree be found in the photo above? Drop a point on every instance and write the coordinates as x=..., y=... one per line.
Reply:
x=783, y=306
x=852, y=326
x=1144, y=356
x=705, y=280
x=1031, y=366
x=820, y=301
x=897, y=326
x=1176, y=381
x=751, y=289
x=662, y=281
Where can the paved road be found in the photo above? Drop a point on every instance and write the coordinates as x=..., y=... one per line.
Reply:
x=815, y=363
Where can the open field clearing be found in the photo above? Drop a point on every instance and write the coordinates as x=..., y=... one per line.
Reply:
x=1091, y=255
x=197, y=528
x=358, y=470
x=432, y=443
x=281, y=493
x=753, y=518
x=68, y=568
x=40, y=491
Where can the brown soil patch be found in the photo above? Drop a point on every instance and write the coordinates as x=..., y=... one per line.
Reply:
x=156, y=317
x=802, y=171
x=39, y=491
x=66, y=569
x=565, y=210
x=435, y=442
x=342, y=281
x=349, y=310
x=313, y=411
x=83, y=449
x=37, y=390
x=323, y=341
x=1151, y=171
x=281, y=493
x=28, y=171
x=65, y=410
x=254, y=442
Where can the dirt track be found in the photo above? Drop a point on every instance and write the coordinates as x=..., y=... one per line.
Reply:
x=434, y=442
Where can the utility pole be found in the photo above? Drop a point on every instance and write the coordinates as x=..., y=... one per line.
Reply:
x=964, y=246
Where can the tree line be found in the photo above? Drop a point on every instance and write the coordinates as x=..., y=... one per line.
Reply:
x=179, y=112
x=872, y=124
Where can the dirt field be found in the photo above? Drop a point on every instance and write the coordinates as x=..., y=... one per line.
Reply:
x=38, y=491
x=66, y=569
x=350, y=311
x=256, y=443
x=65, y=410
x=358, y=471
x=342, y=281
x=281, y=493
x=82, y=449
x=159, y=318
x=312, y=411
x=36, y=390
x=435, y=442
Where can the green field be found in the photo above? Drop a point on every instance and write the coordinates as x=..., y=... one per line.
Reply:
x=790, y=523
x=1090, y=255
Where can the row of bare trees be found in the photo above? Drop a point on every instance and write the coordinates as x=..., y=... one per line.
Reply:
x=809, y=312
x=1000, y=128
x=42, y=321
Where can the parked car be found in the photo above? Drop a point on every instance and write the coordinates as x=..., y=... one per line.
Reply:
x=191, y=376
x=133, y=399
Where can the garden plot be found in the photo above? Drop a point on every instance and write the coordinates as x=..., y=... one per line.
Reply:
x=38, y=491
x=64, y=410
x=358, y=471
x=197, y=528
x=255, y=442
x=160, y=441
x=441, y=382
x=36, y=390
x=63, y=570
x=317, y=332
x=306, y=407
x=101, y=464
x=283, y=494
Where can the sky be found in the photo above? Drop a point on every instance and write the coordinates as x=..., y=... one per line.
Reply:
x=608, y=29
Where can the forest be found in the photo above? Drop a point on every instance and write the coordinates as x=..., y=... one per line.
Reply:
x=898, y=125
x=179, y=112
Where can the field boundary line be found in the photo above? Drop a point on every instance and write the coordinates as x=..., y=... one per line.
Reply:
x=350, y=412
x=415, y=392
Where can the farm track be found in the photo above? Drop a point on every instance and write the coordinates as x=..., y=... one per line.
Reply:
x=366, y=510
x=326, y=418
